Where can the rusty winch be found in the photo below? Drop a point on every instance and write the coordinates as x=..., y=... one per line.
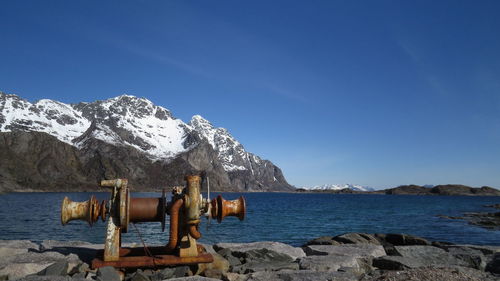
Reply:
x=185, y=210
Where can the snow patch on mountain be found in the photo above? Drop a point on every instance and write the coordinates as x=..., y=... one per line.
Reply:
x=54, y=118
x=231, y=153
x=340, y=187
x=137, y=122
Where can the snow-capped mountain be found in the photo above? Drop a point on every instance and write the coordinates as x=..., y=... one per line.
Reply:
x=340, y=187
x=231, y=153
x=130, y=122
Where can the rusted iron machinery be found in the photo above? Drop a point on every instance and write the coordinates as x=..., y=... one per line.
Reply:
x=185, y=210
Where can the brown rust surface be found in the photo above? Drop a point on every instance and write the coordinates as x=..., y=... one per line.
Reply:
x=193, y=203
x=146, y=210
x=193, y=231
x=157, y=260
x=222, y=208
x=174, y=224
x=88, y=211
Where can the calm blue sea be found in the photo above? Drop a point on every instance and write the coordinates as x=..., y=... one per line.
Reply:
x=285, y=217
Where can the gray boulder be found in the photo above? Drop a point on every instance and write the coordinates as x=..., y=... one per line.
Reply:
x=418, y=256
x=494, y=265
x=140, y=276
x=50, y=278
x=302, y=275
x=323, y=240
x=473, y=258
x=182, y=271
x=18, y=270
x=429, y=254
x=431, y=274
x=402, y=239
x=486, y=250
x=18, y=244
x=264, y=260
x=107, y=273
x=355, y=250
x=56, y=269
x=356, y=238
x=19, y=258
x=231, y=259
x=327, y=263
x=47, y=245
x=397, y=263
x=194, y=278
x=278, y=247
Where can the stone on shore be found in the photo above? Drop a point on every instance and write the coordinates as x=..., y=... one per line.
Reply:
x=356, y=238
x=194, y=278
x=356, y=250
x=278, y=247
x=431, y=274
x=107, y=273
x=264, y=260
x=494, y=265
x=472, y=257
x=417, y=256
x=358, y=257
x=302, y=275
x=139, y=275
x=18, y=270
x=327, y=263
x=59, y=268
x=19, y=258
x=346, y=238
x=402, y=239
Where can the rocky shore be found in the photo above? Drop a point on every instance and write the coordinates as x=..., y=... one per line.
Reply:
x=488, y=220
x=441, y=190
x=351, y=256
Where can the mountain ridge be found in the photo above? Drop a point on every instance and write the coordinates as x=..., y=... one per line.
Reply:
x=123, y=124
x=353, y=187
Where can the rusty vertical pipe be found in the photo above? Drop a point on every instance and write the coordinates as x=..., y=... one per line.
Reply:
x=174, y=224
x=193, y=200
x=193, y=231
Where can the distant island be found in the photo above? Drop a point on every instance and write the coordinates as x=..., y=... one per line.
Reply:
x=447, y=189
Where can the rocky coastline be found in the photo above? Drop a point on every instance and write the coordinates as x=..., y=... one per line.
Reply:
x=442, y=190
x=351, y=256
x=487, y=220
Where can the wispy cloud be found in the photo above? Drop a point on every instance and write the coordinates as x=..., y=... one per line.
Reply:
x=167, y=60
x=417, y=56
x=288, y=94
x=165, y=56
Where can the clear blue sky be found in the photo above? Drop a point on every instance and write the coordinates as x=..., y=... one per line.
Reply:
x=377, y=93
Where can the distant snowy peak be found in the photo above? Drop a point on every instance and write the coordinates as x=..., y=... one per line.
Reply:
x=232, y=154
x=340, y=187
x=137, y=122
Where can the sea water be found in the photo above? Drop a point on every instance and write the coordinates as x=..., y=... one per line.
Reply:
x=292, y=218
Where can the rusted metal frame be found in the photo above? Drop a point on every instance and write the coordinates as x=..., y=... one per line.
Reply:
x=150, y=262
x=174, y=224
x=113, y=230
x=193, y=231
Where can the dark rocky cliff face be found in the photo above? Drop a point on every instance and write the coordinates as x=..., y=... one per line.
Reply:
x=34, y=161
x=108, y=139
